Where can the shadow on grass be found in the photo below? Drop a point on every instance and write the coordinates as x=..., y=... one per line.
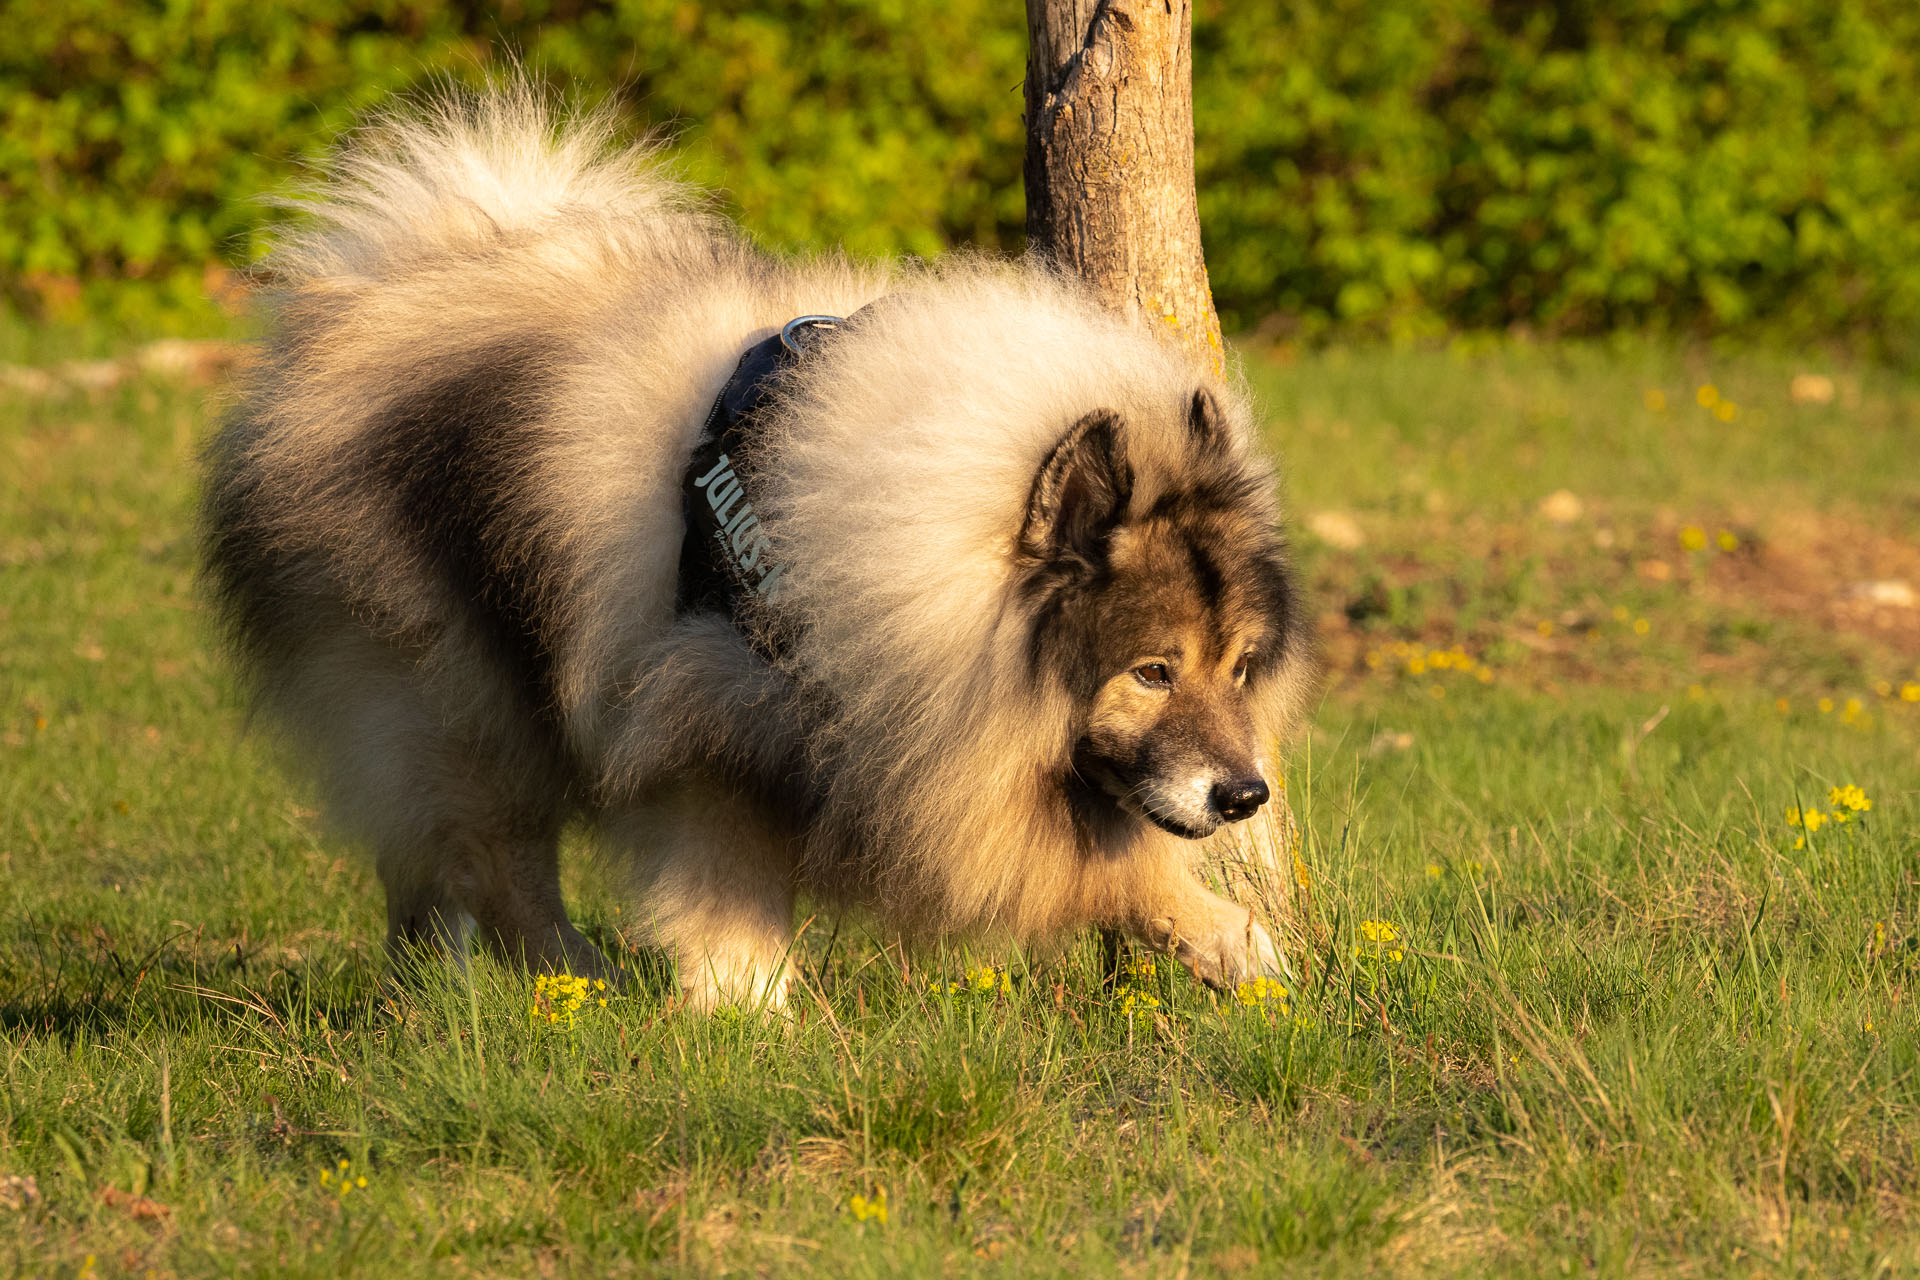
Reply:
x=70, y=980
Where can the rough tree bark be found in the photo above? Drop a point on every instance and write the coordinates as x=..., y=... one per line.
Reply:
x=1110, y=194
x=1110, y=159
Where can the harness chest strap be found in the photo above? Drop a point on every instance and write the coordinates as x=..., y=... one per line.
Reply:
x=726, y=560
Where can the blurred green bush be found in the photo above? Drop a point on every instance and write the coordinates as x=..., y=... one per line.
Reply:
x=1373, y=165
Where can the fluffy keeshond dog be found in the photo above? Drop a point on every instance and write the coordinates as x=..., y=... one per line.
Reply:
x=971, y=611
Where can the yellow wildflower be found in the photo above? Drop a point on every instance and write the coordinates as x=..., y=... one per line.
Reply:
x=1726, y=541
x=1910, y=692
x=1708, y=395
x=979, y=980
x=1655, y=399
x=1825, y=705
x=1381, y=934
x=1849, y=797
x=870, y=1208
x=1641, y=626
x=1693, y=537
x=339, y=1182
x=1261, y=991
x=558, y=996
x=1726, y=411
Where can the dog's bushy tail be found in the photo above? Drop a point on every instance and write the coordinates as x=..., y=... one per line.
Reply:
x=457, y=172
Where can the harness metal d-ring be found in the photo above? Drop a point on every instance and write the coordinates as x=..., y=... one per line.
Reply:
x=789, y=332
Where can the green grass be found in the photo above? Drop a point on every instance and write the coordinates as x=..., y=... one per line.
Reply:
x=1632, y=1029
x=1493, y=429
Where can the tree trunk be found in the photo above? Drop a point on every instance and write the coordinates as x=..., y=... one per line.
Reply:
x=1110, y=195
x=1110, y=159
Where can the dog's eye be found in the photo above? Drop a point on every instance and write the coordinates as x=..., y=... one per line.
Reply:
x=1154, y=673
x=1240, y=667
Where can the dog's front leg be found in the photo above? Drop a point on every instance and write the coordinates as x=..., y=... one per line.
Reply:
x=715, y=881
x=1219, y=941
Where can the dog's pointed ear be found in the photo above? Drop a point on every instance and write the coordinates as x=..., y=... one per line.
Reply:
x=1206, y=422
x=1080, y=492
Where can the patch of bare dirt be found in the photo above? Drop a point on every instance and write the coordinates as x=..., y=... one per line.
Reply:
x=1560, y=601
x=1835, y=572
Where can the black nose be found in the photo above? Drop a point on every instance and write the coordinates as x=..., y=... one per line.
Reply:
x=1236, y=800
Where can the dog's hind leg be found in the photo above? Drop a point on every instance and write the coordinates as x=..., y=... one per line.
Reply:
x=465, y=836
x=477, y=858
x=715, y=878
x=509, y=878
x=474, y=867
x=423, y=916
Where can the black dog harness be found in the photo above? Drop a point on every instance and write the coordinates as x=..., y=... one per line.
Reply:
x=726, y=560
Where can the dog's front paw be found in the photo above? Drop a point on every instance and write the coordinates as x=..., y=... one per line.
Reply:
x=710, y=982
x=1223, y=952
